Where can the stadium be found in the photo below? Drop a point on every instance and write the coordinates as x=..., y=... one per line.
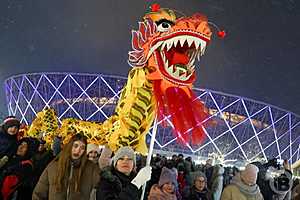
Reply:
x=243, y=129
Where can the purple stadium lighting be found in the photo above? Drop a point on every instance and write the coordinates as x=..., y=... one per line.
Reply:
x=244, y=129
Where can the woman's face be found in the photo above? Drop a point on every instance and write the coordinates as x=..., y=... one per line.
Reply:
x=12, y=130
x=78, y=149
x=200, y=183
x=168, y=188
x=125, y=165
x=22, y=149
x=93, y=155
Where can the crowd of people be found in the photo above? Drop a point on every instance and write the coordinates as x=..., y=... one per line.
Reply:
x=79, y=170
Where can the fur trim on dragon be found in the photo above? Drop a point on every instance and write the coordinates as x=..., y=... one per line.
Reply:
x=164, y=51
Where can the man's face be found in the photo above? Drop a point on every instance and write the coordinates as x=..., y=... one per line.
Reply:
x=125, y=165
x=200, y=183
x=78, y=149
x=12, y=130
x=22, y=149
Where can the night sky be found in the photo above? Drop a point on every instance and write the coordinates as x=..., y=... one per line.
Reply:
x=258, y=59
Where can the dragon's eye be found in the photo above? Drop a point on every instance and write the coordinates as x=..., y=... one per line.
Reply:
x=163, y=26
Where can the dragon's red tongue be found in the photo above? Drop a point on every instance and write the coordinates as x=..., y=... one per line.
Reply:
x=176, y=57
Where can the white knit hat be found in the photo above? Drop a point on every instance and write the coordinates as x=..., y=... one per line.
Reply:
x=92, y=147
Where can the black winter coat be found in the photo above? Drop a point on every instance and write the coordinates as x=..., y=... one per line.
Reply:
x=190, y=193
x=115, y=185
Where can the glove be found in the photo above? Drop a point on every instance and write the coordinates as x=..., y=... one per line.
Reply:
x=105, y=157
x=3, y=161
x=142, y=177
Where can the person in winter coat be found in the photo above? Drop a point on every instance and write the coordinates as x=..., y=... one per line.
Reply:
x=198, y=190
x=243, y=186
x=217, y=182
x=40, y=161
x=189, y=166
x=165, y=189
x=120, y=181
x=70, y=175
x=8, y=138
x=16, y=174
x=181, y=178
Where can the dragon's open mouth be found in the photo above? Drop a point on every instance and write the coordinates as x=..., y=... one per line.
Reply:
x=176, y=55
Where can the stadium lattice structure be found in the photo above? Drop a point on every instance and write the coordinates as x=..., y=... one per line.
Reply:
x=241, y=128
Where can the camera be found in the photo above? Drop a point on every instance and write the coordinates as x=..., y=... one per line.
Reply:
x=281, y=183
x=273, y=179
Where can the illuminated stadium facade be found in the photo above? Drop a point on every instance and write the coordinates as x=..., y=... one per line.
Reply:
x=241, y=128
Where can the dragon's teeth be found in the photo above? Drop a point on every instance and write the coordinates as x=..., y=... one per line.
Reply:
x=175, y=42
x=198, y=55
x=166, y=63
x=203, y=44
x=190, y=41
x=197, y=44
x=163, y=56
x=192, y=61
x=202, y=52
x=169, y=45
x=182, y=40
x=163, y=46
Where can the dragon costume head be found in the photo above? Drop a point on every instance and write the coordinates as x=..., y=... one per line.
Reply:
x=168, y=47
x=164, y=51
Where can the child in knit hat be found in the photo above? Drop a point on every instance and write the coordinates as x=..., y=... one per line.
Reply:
x=11, y=125
x=8, y=138
x=93, y=152
x=165, y=189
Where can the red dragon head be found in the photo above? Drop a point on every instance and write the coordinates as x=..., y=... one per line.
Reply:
x=168, y=47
